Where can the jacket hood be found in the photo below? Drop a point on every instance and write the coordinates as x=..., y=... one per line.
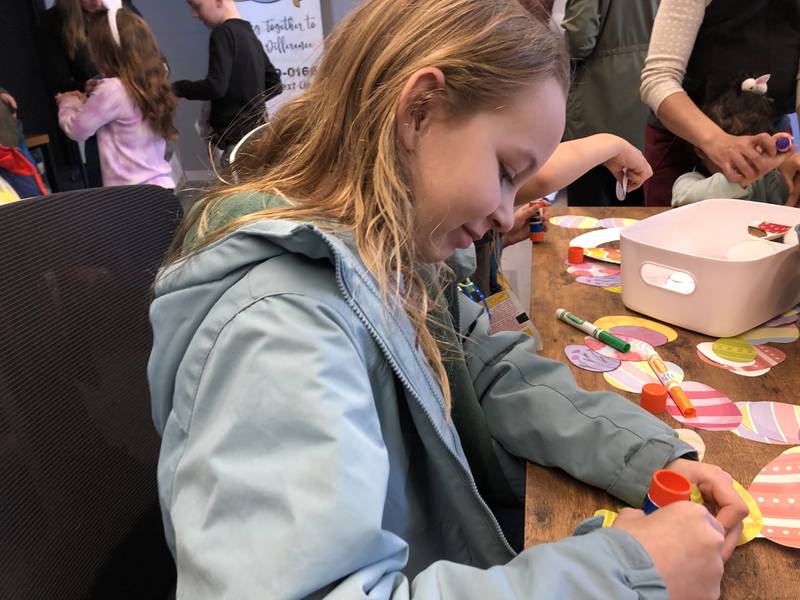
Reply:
x=187, y=290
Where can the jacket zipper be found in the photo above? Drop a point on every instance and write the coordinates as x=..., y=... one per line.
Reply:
x=395, y=367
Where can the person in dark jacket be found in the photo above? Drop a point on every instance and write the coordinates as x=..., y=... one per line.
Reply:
x=240, y=75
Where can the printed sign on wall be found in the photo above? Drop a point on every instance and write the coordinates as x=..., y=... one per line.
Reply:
x=291, y=31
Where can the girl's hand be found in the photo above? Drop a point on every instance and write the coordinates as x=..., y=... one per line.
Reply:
x=685, y=543
x=719, y=496
x=628, y=156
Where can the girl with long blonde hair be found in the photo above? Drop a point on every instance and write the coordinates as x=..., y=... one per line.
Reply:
x=335, y=421
x=132, y=108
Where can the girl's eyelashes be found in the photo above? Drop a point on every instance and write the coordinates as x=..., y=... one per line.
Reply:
x=505, y=175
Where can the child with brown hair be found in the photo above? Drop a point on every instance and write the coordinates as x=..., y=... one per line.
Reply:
x=132, y=109
x=742, y=111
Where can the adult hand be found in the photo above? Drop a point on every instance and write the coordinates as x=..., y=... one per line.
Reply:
x=743, y=158
x=719, y=496
x=8, y=99
x=628, y=156
x=685, y=542
x=790, y=169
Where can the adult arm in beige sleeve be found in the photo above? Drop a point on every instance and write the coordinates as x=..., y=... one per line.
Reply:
x=743, y=159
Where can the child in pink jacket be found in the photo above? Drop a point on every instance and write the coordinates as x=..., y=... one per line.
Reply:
x=131, y=110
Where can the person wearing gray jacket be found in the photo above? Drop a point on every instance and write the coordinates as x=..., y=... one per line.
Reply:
x=607, y=42
x=335, y=421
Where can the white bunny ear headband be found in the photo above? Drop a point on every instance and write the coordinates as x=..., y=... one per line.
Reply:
x=113, y=7
x=757, y=86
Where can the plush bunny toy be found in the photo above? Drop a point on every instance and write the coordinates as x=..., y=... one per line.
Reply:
x=757, y=86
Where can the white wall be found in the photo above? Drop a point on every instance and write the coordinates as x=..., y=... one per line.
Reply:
x=184, y=42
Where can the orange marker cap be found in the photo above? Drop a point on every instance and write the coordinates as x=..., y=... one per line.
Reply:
x=537, y=236
x=668, y=486
x=653, y=398
x=682, y=402
x=575, y=255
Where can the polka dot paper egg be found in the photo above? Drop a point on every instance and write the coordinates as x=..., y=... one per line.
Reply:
x=715, y=411
x=776, y=490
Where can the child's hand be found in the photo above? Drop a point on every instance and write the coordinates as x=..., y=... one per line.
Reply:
x=719, y=496
x=74, y=93
x=520, y=230
x=9, y=99
x=638, y=169
x=685, y=543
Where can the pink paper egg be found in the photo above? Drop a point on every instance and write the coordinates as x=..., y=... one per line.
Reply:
x=652, y=337
x=631, y=376
x=776, y=490
x=639, y=350
x=777, y=421
x=715, y=411
x=766, y=358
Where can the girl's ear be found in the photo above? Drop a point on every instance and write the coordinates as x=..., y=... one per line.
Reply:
x=415, y=107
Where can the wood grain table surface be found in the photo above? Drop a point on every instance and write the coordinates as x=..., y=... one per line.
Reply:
x=556, y=503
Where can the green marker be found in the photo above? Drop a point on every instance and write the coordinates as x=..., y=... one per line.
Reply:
x=595, y=332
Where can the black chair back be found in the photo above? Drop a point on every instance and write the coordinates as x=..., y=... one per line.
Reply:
x=79, y=515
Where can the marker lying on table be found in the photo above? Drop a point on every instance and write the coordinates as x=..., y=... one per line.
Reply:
x=669, y=381
x=595, y=332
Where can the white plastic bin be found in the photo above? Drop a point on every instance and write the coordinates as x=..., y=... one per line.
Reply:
x=697, y=266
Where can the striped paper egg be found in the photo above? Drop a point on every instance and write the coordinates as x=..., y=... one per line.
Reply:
x=776, y=490
x=616, y=222
x=707, y=350
x=770, y=422
x=715, y=411
x=651, y=336
x=780, y=335
x=614, y=320
x=631, y=376
x=639, y=350
x=766, y=358
x=692, y=438
x=574, y=221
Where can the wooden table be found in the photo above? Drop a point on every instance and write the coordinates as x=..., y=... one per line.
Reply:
x=555, y=502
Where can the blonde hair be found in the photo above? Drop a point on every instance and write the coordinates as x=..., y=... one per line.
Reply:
x=139, y=64
x=334, y=150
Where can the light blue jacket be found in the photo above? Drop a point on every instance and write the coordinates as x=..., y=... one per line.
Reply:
x=307, y=452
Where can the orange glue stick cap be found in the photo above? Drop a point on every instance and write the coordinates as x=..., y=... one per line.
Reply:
x=575, y=255
x=653, y=398
x=668, y=486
